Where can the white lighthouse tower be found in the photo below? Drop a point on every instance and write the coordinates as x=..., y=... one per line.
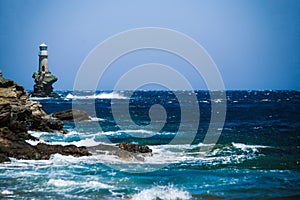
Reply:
x=43, y=59
x=43, y=78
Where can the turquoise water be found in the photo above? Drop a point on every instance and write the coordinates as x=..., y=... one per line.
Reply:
x=257, y=155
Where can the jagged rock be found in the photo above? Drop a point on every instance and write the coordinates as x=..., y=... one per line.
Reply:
x=48, y=150
x=119, y=152
x=3, y=158
x=14, y=145
x=71, y=115
x=135, y=148
x=18, y=114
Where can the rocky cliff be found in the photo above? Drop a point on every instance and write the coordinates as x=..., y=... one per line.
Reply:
x=18, y=114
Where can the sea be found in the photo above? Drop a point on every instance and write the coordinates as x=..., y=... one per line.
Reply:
x=256, y=153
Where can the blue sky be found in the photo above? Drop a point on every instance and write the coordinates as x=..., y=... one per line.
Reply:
x=254, y=43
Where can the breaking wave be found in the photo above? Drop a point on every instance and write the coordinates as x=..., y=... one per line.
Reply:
x=111, y=95
x=162, y=192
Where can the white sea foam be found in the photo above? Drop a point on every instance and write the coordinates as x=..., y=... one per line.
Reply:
x=162, y=192
x=38, y=98
x=61, y=183
x=38, y=134
x=246, y=147
x=111, y=95
x=89, y=142
x=32, y=142
x=204, y=101
x=265, y=100
x=7, y=192
x=84, y=184
x=128, y=132
x=218, y=100
x=96, y=119
x=166, y=154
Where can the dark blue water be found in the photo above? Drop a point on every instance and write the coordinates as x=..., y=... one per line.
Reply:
x=257, y=154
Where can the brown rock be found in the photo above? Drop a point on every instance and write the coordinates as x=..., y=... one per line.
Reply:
x=14, y=145
x=135, y=148
x=71, y=115
x=18, y=114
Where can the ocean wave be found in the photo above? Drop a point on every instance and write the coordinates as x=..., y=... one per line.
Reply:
x=89, y=142
x=111, y=95
x=162, y=192
x=96, y=119
x=85, y=184
x=205, y=154
x=7, y=192
x=39, y=98
x=200, y=154
x=39, y=134
x=131, y=131
x=246, y=147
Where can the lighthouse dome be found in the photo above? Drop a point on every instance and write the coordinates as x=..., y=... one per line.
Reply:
x=43, y=46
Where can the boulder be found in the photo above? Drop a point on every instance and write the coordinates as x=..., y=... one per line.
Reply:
x=71, y=115
x=135, y=148
x=120, y=152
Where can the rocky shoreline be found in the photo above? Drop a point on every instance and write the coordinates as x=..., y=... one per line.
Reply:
x=19, y=114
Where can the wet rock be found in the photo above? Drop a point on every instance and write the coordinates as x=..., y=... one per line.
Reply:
x=14, y=145
x=18, y=114
x=71, y=115
x=47, y=150
x=3, y=158
x=135, y=148
x=119, y=152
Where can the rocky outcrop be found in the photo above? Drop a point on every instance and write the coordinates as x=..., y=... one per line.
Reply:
x=71, y=115
x=124, y=153
x=14, y=145
x=43, y=85
x=18, y=114
x=135, y=148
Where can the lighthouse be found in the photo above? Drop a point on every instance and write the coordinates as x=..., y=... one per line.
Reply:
x=43, y=77
x=43, y=58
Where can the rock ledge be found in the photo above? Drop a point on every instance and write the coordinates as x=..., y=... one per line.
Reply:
x=18, y=114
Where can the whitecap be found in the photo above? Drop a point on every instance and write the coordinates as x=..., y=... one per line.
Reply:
x=96, y=119
x=89, y=142
x=162, y=192
x=38, y=134
x=38, y=98
x=111, y=95
x=33, y=142
x=245, y=146
x=7, y=192
x=204, y=101
x=217, y=100
x=85, y=184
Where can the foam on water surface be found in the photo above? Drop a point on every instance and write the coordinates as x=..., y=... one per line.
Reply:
x=97, y=96
x=162, y=192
